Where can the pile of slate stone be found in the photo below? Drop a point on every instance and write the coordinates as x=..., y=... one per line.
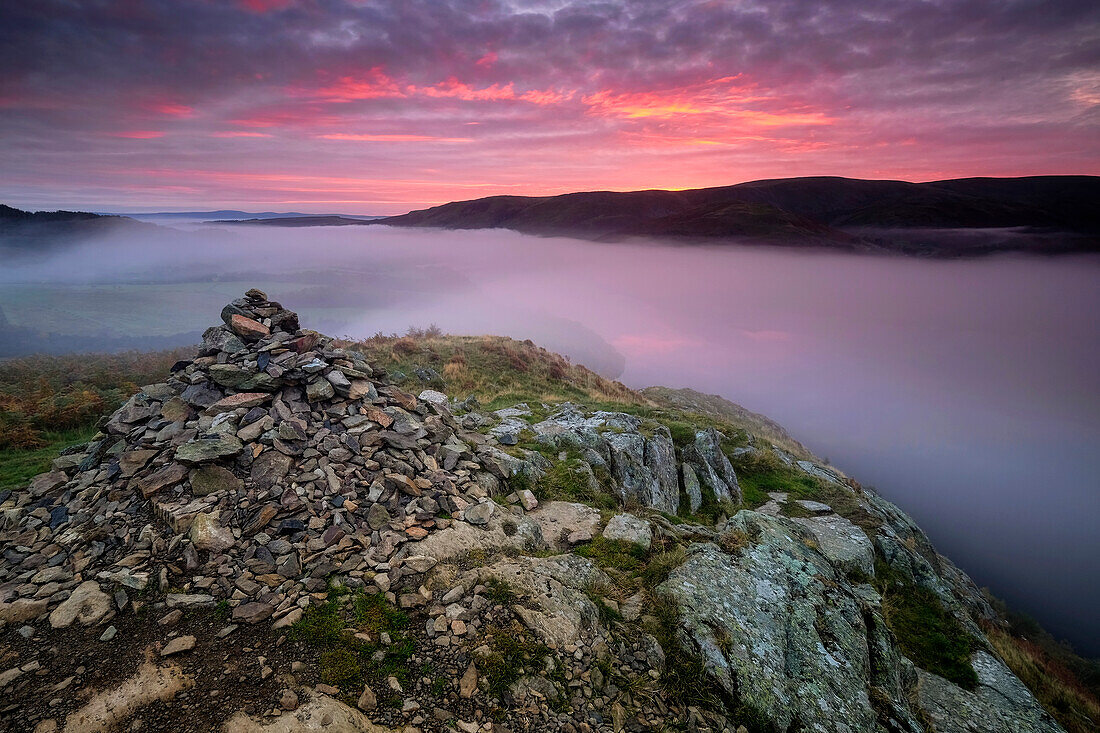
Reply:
x=259, y=468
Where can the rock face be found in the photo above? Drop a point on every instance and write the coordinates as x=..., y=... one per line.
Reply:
x=1000, y=702
x=275, y=467
x=712, y=467
x=564, y=612
x=640, y=458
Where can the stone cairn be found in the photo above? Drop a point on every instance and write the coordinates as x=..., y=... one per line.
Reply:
x=259, y=468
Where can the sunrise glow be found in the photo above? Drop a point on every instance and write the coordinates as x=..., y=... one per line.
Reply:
x=526, y=98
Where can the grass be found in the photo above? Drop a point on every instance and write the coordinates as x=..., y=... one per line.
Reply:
x=617, y=554
x=568, y=481
x=511, y=650
x=762, y=472
x=41, y=396
x=684, y=679
x=346, y=661
x=1067, y=684
x=925, y=631
x=1054, y=685
x=498, y=371
x=500, y=592
x=375, y=614
x=19, y=465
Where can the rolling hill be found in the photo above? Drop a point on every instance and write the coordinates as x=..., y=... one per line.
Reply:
x=1042, y=213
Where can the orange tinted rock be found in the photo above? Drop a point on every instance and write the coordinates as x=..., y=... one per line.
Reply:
x=247, y=328
x=233, y=401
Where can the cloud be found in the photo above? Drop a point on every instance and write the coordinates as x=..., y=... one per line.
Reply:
x=393, y=138
x=138, y=134
x=566, y=95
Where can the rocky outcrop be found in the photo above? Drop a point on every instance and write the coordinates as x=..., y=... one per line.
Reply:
x=778, y=628
x=999, y=703
x=712, y=466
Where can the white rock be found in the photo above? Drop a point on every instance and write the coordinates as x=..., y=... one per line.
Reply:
x=88, y=604
x=629, y=528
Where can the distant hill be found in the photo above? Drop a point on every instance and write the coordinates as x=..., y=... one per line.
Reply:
x=234, y=215
x=297, y=221
x=25, y=233
x=1041, y=213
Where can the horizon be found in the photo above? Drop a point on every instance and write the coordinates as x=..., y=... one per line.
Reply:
x=109, y=210
x=386, y=108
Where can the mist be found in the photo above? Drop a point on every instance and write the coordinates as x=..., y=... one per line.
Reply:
x=965, y=391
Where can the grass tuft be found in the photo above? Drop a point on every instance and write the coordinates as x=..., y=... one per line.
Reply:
x=925, y=631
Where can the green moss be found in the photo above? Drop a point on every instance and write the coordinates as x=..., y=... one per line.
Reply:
x=617, y=554
x=597, y=595
x=510, y=651
x=661, y=564
x=339, y=666
x=346, y=661
x=319, y=626
x=375, y=613
x=926, y=632
x=683, y=434
x=500, y=591
x=761, y=472
x=568, y=481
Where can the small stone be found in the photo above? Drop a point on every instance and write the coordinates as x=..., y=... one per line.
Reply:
x=207, y=534
x=378, y=517
x=420, y=563
x=235, y=401
x=209, y=479
x=367, y=700
x=467, y=686
x=159, y=480
x=527, y=498
x=108, y=634
x=319, y=390
x=210, y=448
x=171, y=618
x=252, y=613
x=177, y=645
x=288, y=700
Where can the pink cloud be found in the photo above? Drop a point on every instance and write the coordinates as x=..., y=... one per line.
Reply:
x=138, y=134
x=394, y=138
x=239, y=133
x=171, y=109
x=371, y=84
x=264, y=6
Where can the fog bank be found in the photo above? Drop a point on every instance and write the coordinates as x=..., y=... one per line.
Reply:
x=967, y=392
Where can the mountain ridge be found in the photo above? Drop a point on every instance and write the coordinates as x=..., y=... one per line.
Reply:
x=810, y=211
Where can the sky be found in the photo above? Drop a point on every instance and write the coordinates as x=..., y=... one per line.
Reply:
x=383, y=107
